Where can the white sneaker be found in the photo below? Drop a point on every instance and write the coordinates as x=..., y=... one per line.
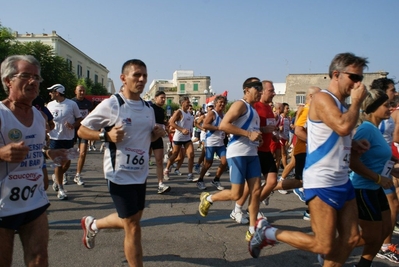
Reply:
x=283, y=192
x=94, y=148
x=218, y=185
x=89, y=148
x=177, y=172
x=165, y=158
x=88, y=234
x=78, y=179
x=239, y=217
x=65, y=179
x=207, y=174
x=166, y=174
x=55, y=185
x=61, y=194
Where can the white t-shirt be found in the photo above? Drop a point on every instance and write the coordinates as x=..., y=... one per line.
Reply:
x=65, y=111
x=125, y=162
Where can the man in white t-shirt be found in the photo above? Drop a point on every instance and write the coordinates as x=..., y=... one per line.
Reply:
x=67, y=118
x=129, y=127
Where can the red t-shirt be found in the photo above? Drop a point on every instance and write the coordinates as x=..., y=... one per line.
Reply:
x=266, y=117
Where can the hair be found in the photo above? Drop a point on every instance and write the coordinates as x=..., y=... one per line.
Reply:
x=9, y=67
x=158, y=93
x=219, y=97
x=343, y=60
x=249, y=81
x=372, y=100
x=183, y=98
x=382, y=83
x=136, y=62
x=285, y=104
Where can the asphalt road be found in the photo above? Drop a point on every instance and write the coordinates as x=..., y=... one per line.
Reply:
x=173, y=232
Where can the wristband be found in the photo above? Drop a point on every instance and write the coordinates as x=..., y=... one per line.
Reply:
x=379, y=179
x=102, y=136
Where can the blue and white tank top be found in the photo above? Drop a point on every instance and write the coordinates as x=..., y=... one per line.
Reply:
x=241, y=145
x=215, y=138
x=327, y=156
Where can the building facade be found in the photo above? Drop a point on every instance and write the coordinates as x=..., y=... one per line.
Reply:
x=80, y=63
x=184, y=83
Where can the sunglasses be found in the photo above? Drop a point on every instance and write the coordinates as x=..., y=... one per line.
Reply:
x=354, y=77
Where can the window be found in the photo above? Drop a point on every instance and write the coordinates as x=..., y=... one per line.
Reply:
x=95, y=78
x=195, y=88
x=182, y=88
x=102, y=81
x=79, y=71
x=300, y=99
x=88, y=74
x=69, y=62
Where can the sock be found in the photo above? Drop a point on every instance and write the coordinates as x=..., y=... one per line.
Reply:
x=251, y=230
x=270, y=233
x=384, y=247
x=237, y=208
x=93, y=226
x=364, y=263
x=216, y=179
x=209, y=198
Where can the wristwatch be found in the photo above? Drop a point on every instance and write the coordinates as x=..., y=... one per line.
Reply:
x=103, y=137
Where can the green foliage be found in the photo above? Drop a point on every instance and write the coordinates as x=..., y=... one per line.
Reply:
x=228, y=105
x=93, y=88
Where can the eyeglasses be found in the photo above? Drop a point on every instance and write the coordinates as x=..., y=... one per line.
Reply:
x=258, y=88
x=27, y=77
x=354, y=77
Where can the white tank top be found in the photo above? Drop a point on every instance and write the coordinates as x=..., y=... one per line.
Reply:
x=187, y=123
x=241, y=145
x=327, y=157
x=386, y=128
x=125, y=162
x=21, y=184
x=215, y=138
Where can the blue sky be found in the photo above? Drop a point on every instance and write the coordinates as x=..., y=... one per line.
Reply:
x=228, y=40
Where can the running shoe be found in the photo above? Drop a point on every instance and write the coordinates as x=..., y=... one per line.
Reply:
x=197, y=168
x=282, y=191
x=300, y=194
x=166, y=174
x=201, y=185
x=259, y=240
x=396, y=229
x=65, y=179
x=55, y=185
x=204, y=204
x=61, y=194
x=190, y=177
x=163, y=188
x=218, y=185
x=88, y=234
x=177, y=172
x=306, y=215
x=195, y=179
x=266, y=201
x=388, y=255
x=207, y=174
x=239, y=217
x=78, y=179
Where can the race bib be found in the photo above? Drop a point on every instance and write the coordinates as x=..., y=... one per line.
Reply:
x=344, y=157
x=133, y=159
x=386, y=172
x=20, y=189
x=270, y=121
